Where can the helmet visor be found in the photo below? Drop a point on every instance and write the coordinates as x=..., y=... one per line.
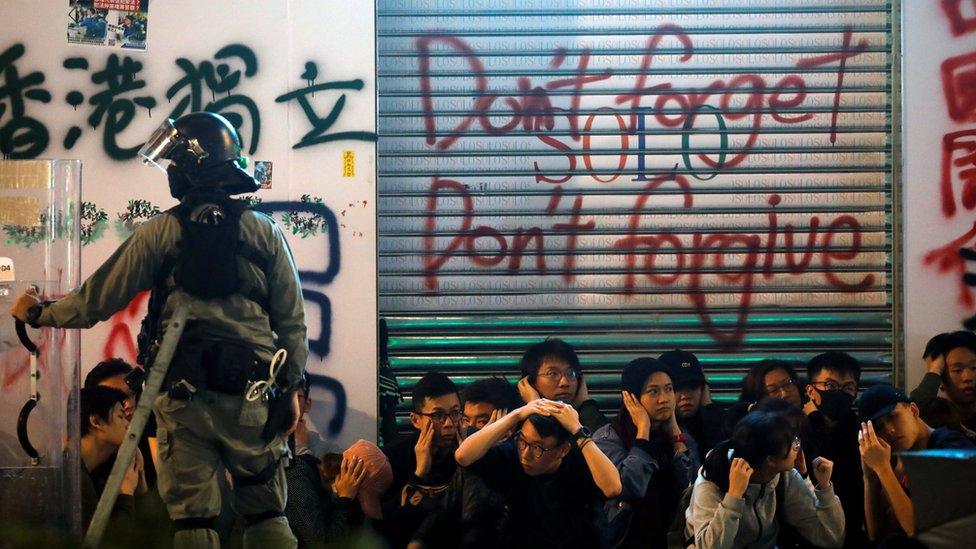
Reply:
x=160, y=144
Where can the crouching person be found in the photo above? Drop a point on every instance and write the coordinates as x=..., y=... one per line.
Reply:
x=553, y=478
x=748, y=487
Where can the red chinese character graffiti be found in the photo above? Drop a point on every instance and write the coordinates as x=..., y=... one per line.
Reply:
x=959, y=86
x=958, y=151
x=947, y=259
x=959, y=22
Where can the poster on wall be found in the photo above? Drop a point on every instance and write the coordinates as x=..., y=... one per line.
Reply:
x=109, y=23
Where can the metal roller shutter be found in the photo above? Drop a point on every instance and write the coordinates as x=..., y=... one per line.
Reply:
x=634, y=177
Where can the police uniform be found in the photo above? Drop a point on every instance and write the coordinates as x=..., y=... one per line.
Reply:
x=210, y=426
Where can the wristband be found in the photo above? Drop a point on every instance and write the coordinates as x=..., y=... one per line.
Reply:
x=680, y=437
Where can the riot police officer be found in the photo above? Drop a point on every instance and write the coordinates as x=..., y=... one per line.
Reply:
x=230, y=395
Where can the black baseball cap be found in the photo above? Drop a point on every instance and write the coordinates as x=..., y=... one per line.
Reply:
x=879, y=401
x=684, y=368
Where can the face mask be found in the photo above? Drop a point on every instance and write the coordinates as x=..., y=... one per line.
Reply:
x=835, y=404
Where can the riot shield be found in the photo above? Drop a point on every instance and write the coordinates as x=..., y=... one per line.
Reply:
x=40, y=212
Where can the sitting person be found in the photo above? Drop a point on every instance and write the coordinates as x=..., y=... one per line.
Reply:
x=771, y=379
x=103, y=426
x=696, y=412
x=470, y=513
x=553, y=479
x=833, y=380
x=422, y=461
x=551, y=370
x=747, y=488
x=891, y=423
x=121, y=375
x=323, y=508
x=656, y=459
x=951, y=363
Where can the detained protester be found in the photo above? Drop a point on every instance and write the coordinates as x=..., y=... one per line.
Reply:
x=469, y=515
x=553, y=478
x=950, y=360
x=748, y=489
x=696, y=412
x=422, y=461
x=833, y=380
x=656, y=459
x=890, y=425
x=232, y=267
x=771, y=379
x=121, y=375
x=551, y=370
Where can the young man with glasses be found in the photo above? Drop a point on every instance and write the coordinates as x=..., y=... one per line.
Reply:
x=551, y=370
x=469, y=514
x=554, y=491
x=422, y=461
x=833, y=380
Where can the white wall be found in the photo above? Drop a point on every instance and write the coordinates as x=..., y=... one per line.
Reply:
x=935, y=299
x=283, y=35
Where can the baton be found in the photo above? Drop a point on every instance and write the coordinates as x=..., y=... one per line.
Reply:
x=123, y=459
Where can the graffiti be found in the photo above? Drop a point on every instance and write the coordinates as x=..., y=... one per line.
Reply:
x=959, y=86
x=305, y=224
x=737, y=260
x=959, y=22
x=219, y=79
x=321, y=125
x=953, y=144
x=21, y=136
x=533, y=112
x=94, y=221
x=319, y=345
x=210, y=85
x=120, y=342
x=119, y=77
x=136, y=213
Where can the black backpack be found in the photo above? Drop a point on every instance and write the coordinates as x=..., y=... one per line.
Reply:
x=205, y=264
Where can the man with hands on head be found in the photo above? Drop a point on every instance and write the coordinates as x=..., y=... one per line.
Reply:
x=950, y=359
x=554, y=492
x=551, y=370
x=891, y=422
x=422, y=461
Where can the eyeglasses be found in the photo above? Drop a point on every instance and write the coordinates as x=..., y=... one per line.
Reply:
x=536, y=450
x=830, y=385
x=781, y=387
x=440, y=416
x=555, y=375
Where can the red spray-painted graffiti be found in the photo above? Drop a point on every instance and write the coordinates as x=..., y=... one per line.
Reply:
x=744, y=96
x=960, y=22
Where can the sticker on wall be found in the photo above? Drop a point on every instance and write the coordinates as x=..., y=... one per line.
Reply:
x=348, y=163
x=262, y=173
x=108, y=23
x=7, y=269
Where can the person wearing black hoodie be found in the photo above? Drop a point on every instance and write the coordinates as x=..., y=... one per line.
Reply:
x=833, y=380
x=694, y=409
x=656, y=459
